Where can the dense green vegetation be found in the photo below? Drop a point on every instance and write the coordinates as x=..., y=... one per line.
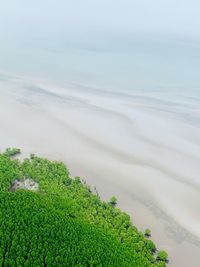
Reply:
x=147, y=233
x=12, y=151
x=162, y=256
x=64, y=223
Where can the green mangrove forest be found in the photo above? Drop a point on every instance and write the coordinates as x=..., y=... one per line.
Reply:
x=49, y=219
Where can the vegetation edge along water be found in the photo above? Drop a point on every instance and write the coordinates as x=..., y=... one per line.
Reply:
x=62, y=222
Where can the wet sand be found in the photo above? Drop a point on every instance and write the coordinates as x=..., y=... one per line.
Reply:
x=142, y=147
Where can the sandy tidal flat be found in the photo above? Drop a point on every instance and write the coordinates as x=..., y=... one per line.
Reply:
x=143, y=147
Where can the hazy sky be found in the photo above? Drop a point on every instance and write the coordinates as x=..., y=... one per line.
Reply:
x=157, y=18
x=148, y=42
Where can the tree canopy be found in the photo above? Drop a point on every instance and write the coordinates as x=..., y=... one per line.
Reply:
x=64, y=223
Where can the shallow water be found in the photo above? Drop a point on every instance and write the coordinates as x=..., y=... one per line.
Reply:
x=142, y=146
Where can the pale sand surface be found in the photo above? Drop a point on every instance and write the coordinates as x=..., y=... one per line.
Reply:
x=142, y=147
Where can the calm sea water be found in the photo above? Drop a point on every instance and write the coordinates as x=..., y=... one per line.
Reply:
x=135, y=64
